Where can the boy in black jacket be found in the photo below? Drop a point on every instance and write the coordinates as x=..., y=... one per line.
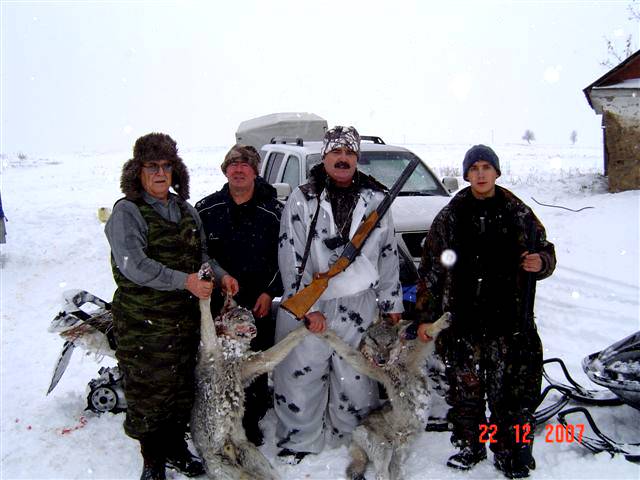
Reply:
x=477, y=265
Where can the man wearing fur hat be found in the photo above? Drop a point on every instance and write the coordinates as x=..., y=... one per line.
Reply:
x=241, y=223
x=318, y=396
x=479, y=264
x=157, y=247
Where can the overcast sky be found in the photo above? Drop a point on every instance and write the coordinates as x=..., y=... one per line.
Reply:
x=94, y=76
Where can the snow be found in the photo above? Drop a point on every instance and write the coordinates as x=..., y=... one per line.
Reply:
x=56, y=243
x=630, y=83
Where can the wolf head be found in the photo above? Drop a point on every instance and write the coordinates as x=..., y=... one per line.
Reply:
x=378, y=341
x=386, y=344
x=235, y=323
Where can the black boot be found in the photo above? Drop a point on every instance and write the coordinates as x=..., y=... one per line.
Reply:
x=290, y=457
x=255, y=435
x=179, y=458
x=468, y=457
x=153, y=460
x=515, y=463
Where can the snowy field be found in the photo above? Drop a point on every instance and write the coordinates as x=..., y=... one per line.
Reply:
x=56, y=243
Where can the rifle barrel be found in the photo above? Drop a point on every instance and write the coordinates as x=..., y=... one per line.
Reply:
x=352, y=249
x=397, y=186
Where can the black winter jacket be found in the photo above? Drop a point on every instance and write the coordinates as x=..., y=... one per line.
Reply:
x=485, y=288
x=244, y=239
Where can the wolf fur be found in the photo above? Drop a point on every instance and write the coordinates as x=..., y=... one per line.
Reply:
x=225, y=367
x=385, y=436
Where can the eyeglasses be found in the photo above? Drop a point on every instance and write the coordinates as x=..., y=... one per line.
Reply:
x=240, y=164
x=154, y=167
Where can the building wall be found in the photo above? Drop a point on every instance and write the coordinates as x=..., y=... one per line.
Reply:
x=622, y=142
x=621, y=101
x=620, y=108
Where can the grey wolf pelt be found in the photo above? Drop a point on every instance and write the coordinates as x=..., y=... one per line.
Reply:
x=385, y=436
x=225, y=367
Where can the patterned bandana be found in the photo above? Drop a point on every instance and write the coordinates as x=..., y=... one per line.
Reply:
x=341, y=137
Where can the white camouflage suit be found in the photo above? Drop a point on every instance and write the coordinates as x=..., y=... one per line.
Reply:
x=318, y=396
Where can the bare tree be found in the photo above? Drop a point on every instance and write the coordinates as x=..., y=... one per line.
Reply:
x=614, y=55
x=634, y=10
x=528, y=136
x=573, y=137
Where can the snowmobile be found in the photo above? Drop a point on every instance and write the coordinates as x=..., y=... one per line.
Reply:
x=617, y=368
x=86, y=321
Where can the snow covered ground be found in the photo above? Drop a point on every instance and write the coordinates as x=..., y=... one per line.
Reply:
x=55, y=243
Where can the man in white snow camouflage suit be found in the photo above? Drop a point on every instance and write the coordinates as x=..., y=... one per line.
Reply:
x=492, y=347
x=318, y=396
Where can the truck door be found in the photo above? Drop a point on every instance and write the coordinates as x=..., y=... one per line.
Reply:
x=274, y=161
x=291, y=173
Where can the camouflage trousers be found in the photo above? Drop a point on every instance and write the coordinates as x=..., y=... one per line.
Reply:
x=504, y=369
x=158, y=363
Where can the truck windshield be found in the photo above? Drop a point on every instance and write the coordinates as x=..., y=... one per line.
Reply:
x=387, y=166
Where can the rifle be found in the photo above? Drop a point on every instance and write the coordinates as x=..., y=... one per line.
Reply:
x=300, y=303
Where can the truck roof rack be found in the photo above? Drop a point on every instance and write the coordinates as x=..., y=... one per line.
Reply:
x=373, y=139
x=297, y=140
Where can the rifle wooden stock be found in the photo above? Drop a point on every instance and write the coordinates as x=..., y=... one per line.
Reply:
x=364, y=230
x=300, y=303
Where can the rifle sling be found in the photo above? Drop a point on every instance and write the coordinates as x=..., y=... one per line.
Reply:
x=307, y=247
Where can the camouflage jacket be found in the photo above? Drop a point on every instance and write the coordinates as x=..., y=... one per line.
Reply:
x=158, y=331
x=485, y=287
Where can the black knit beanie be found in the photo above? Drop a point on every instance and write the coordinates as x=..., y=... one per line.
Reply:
x=477, y=153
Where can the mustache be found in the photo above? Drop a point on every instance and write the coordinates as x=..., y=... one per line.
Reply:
x=342, y=164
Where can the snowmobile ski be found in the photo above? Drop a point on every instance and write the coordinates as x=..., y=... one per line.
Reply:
x=601, y=442
x=62, y=364
x=576, y=391
x=548, y=411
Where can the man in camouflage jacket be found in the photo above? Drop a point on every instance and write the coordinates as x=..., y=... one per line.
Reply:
x=477, y=264
x=157, y=246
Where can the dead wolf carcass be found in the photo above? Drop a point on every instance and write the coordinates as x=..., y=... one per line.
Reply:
x=225, y=367
x=387, y=355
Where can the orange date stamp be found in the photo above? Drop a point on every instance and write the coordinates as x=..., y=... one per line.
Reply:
x=557, y=433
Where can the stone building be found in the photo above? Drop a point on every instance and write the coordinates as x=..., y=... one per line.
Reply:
x=616, y=96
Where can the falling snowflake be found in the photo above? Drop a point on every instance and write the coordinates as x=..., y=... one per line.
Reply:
x=448, y=258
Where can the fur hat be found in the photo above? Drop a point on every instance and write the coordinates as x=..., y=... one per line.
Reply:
x=241, y=153
x=477, y=153
x=341, y=137
x=153, y=147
